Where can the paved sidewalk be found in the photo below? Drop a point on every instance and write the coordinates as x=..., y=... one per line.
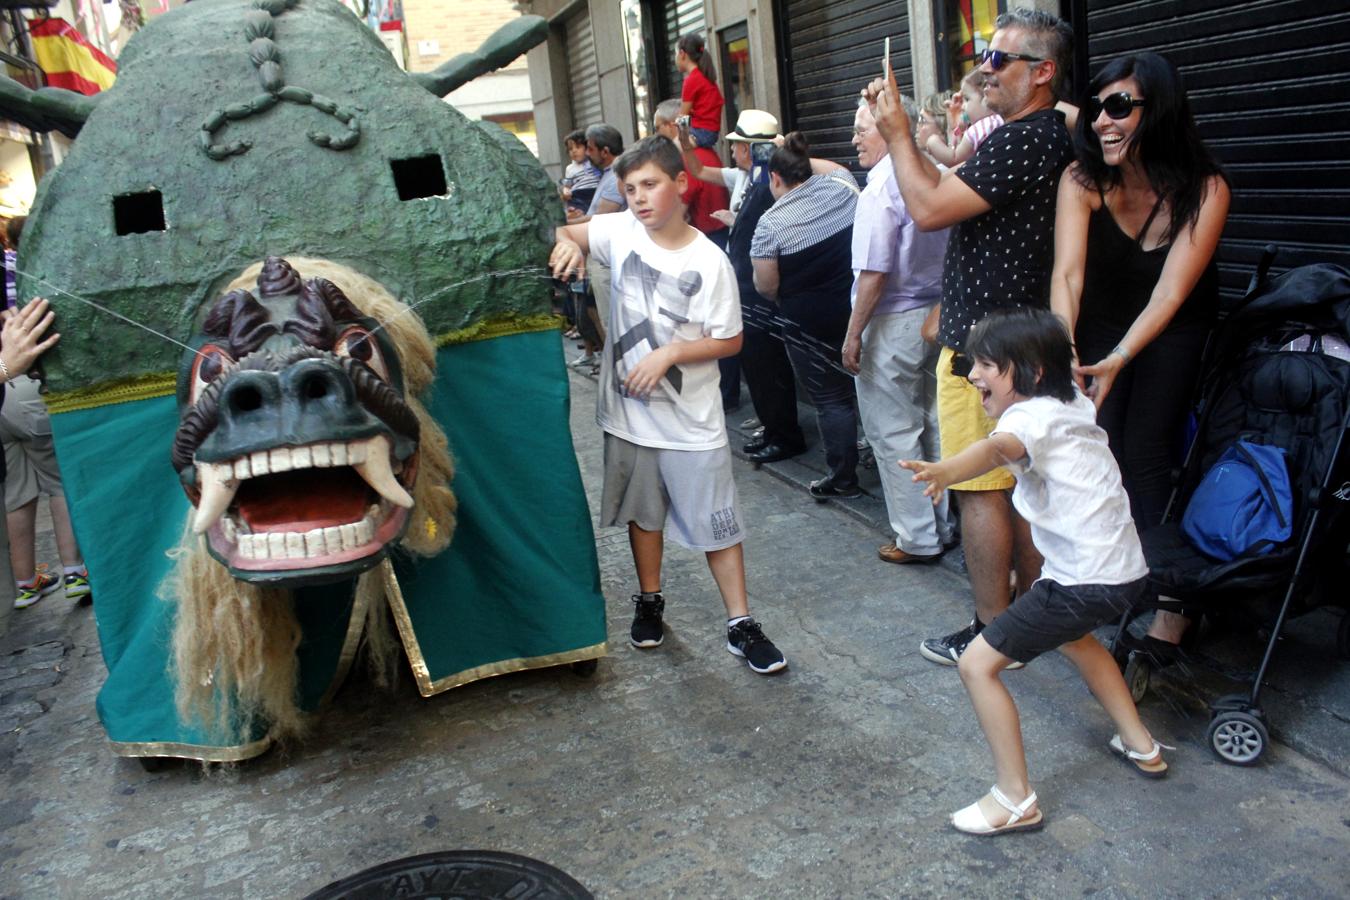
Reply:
x=674, y=772
x=1306, y=696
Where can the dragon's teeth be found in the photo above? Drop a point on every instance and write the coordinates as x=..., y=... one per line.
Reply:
x=295, y=545
x=241, y=470
x=301, y=458
x=349, y=541
x=314, y=543
x=258, y=463
x=356, y=453
x=321, y=456
x=216, y=494
x=276, y=545
x=281, y=459
x=377, y=473
x=332, y=539
x=339, y=454
x=364, y=532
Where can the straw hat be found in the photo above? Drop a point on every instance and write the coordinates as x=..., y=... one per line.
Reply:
x=754, y=126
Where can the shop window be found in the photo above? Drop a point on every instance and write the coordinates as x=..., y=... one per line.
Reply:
x=639, y=40
x=738, y=84
x=652, y=28
x=963, y=29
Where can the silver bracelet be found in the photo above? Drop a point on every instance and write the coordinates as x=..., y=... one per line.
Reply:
x=1121, y=352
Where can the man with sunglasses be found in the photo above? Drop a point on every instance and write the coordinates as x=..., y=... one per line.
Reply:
x=1000, y=205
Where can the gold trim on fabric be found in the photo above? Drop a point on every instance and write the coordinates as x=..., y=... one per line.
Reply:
x=355, y=626
x=520, y=664
x=500, y=326
x=141, y=387
x=198, y=752
x=427, y=688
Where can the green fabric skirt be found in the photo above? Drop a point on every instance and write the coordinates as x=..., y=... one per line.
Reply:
x=518, y=588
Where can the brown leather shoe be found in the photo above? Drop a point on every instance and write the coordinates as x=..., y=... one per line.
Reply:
x=893, y=554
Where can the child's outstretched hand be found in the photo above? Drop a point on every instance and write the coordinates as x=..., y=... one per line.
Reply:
x=934, y=473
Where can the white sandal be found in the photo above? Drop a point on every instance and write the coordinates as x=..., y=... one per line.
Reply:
x=971, y=820
x=1150, y=765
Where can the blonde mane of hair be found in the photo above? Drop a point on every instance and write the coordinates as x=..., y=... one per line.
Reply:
x=234, y=643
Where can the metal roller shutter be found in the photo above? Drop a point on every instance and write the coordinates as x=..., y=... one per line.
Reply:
x=832, y=48
x=678, y=18
x=582, y=77
x=1267, y=82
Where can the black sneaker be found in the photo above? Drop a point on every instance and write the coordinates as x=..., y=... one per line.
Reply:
x=946, y=651
x=647, y=631
x=746, y=640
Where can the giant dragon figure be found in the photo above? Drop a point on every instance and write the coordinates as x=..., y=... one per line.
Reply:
x=345, y=274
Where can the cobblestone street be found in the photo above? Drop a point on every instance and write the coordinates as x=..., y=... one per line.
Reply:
x=677, y=772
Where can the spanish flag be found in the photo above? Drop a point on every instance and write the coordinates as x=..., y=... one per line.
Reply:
x=69, y=60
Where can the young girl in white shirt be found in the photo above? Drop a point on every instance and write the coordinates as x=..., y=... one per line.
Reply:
x=1070, y=493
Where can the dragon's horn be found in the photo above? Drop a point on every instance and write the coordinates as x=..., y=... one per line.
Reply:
x=505, y=44
x=45, y=108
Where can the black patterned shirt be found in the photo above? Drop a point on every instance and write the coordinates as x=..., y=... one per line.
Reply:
x=1002, y=259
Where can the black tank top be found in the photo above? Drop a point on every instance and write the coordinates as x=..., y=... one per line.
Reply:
x=1119, y=277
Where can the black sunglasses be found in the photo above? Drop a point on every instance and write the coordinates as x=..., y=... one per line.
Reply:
x=1117, y=106
x=997, y=59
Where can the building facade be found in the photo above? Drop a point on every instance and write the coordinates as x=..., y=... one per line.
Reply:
x=1264, y=78
x=26, y=155
x=437, y=31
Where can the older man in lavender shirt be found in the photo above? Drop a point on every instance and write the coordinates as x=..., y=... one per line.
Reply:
x=897, y=278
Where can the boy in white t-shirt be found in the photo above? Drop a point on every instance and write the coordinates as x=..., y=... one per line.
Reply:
x=1069, y=491
x=674, y=311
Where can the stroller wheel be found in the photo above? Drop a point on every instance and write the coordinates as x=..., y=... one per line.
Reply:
x=1238, y=738
x=1138, y=672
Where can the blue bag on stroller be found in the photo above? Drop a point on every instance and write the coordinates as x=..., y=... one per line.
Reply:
x=1275, y=380
x=1243, y=504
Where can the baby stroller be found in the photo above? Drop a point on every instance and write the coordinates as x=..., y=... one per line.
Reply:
x=1276, y=372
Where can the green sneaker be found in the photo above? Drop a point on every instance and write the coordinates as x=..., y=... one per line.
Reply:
x=77, y=587
x=41, y=585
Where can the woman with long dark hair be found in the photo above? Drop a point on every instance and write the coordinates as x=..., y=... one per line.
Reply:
x=1137, y=224
x=1138, y=221
x=700, y=98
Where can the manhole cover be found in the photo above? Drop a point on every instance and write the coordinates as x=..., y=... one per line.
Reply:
x=458, y=875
